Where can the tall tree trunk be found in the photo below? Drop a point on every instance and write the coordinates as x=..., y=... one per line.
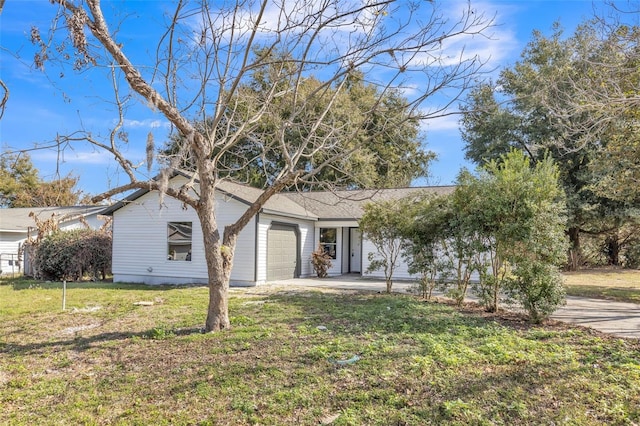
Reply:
x=218, y=257
x=612, y=246
x=575, y=251
x=219, y=271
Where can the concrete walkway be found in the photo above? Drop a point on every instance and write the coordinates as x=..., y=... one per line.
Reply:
x=616, y=318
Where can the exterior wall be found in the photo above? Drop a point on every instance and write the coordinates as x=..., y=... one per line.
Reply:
x=307, y=244
x=9, y=245
x=140, y=243
x=402, y=269
x=93, y=221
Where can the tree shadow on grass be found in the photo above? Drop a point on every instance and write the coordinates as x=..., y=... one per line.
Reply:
x=19, y=284
x=372, y=312
x=76, y=342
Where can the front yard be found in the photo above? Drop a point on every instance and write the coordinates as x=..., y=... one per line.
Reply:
x=297, y=357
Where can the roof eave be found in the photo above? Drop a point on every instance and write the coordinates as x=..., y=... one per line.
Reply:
x=290, y=215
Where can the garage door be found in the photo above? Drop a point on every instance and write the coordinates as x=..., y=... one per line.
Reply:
x=282, y=252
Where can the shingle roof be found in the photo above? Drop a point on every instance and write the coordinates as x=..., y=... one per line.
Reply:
x=278, y=203
x=349, y=204
x=339, y=205
x=18, y=220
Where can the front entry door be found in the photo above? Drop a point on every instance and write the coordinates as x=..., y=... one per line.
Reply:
x=355, y=243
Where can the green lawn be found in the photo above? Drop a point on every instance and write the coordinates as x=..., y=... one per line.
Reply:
x=613, y=284
x=107, y=360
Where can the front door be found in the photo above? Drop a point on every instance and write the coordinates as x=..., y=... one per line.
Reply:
x=355, y=244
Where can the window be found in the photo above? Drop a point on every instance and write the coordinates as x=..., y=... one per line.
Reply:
x=179, y=241
x=328, y=241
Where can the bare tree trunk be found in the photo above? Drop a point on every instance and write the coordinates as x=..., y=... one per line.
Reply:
x=218, y=256
x=612, y=245
x=218, y=310
x=575, y=252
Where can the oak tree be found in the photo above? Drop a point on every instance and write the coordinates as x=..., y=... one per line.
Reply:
x=573, y=98
x=22, y=186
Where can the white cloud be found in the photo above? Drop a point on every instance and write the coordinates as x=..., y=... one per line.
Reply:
x=493, y=45
x=148, y=123
x=71, y=156
x=445, y=123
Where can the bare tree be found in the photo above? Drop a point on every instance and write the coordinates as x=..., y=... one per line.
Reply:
x=201, y=73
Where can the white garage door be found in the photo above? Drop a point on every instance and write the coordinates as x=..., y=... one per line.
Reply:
x=282, y=252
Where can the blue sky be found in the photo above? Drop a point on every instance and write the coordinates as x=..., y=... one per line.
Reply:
x=39, y=108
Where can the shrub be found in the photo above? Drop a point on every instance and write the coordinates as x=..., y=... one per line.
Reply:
x=72, y=254
x=538, y=287
x=321, y=261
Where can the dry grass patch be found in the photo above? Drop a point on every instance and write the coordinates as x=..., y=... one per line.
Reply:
x=606, y=283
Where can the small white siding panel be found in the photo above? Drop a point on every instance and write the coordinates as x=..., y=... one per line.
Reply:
x=308, y=246
x=261, y=249
x=9, y=245
x=140, y=242
x=93, y=221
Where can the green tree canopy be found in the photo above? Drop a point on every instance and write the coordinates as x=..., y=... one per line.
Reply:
x=16, y=174
x=387, y=152
x=551, y=102
x=21, y=185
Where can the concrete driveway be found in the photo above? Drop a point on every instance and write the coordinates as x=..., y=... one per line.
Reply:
x=616, y=318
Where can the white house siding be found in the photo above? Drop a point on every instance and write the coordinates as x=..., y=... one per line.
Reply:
x=140, y=243
x=92, y=221
x=305, y=228
x=402, y=269
x=9, y=245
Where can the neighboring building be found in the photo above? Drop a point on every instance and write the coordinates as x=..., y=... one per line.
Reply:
x=160, y=241
x=16, y=226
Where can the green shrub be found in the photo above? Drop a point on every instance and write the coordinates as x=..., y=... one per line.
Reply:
x=73, y=254
x=538, y=287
